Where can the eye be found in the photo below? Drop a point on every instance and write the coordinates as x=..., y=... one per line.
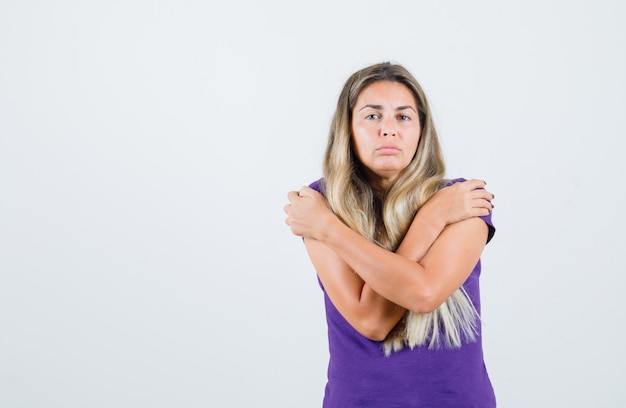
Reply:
x=373, y=116
x=404, y=117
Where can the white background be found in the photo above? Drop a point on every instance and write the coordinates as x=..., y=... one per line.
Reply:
x=146, y=149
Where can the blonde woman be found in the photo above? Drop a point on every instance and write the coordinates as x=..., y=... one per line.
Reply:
x=396, y=249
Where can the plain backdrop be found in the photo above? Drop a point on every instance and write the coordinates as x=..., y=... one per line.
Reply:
x=147, y=147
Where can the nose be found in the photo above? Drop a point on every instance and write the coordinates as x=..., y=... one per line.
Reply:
x=388, y=127
x=388, y=131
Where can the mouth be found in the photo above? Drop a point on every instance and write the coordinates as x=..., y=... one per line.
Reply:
x=388, y=149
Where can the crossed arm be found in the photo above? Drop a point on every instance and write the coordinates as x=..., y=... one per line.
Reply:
x=371, y=287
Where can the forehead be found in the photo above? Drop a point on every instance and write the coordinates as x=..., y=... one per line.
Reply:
x=387, y=92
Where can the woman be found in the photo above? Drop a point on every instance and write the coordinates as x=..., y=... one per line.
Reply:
x=396, y=249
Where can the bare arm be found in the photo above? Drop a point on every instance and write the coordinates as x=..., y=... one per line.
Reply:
x=366, y=310
x=417, y=286
x=449, y=205
x=369, y=313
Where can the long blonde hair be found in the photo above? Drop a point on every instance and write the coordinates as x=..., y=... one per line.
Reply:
x=384, y=219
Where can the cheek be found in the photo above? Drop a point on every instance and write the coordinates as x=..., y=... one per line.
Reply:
x=357, y=148
x=359, y=143
x=416, y=142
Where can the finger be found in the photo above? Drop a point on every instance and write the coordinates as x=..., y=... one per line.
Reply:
x=482, y=194
x=474, y=184
x=306, y=191
x=481, y=211
x=484, y=204
x=292, y=196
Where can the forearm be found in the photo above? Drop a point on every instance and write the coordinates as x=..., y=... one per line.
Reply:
x=421, y=235
x=369, y=313
x=417, y=286
x=435, y=257
x=394, y=276
x=449, y=205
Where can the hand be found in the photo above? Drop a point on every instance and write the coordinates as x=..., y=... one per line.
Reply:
x=307, y=213
x=460, y=201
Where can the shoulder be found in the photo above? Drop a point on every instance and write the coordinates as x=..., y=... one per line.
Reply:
x=447, y=183
x=487, y=218
x=318, y=185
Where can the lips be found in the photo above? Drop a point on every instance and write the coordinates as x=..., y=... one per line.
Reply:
x=388, y=149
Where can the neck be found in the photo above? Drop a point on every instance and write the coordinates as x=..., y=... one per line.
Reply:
x=380, y=184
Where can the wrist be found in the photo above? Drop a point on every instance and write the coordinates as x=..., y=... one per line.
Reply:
x=422, y=233
x=429, y=218
x=327, y=225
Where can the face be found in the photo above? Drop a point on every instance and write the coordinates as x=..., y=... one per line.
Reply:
x=385, y=131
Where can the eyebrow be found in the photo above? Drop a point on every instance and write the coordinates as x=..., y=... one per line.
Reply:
x=399, y=108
